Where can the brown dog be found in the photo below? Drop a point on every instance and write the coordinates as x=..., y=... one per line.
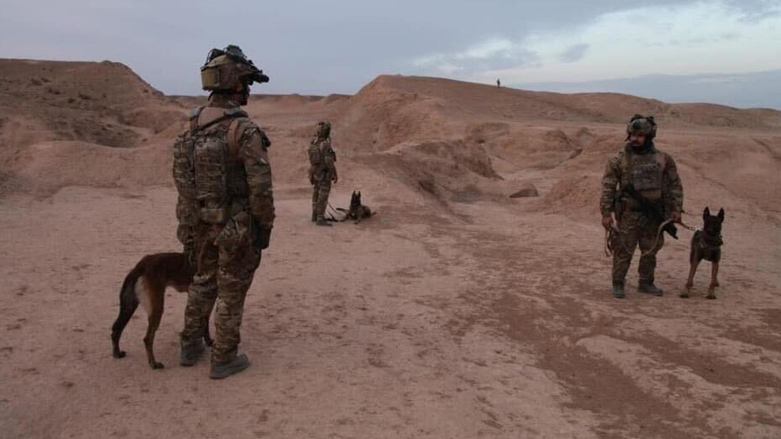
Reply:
x=706, y=244
x=146, y=284
x=358, y=210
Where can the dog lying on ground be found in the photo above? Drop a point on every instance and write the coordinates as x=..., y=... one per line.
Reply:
x=358, y=211
x=706, y=244
x=146, y=284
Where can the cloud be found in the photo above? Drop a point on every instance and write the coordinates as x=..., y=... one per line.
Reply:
x=748, y=90
x=490, y=54
x=753, y=11
x=574, y=53
x=699, y=37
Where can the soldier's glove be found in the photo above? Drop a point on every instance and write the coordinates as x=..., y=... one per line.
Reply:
x=266, y=141
x=262, y=238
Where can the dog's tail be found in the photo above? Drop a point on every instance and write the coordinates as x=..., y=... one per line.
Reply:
x=128, y=302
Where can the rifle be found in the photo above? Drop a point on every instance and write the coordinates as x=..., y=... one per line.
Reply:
x=650, y=209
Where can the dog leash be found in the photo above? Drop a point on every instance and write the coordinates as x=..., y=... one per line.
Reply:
x=609, y=250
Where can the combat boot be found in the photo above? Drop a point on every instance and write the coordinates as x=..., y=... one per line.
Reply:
x=224, y=370
x=191, y=354
x=649, y=288
x=323, y=222
x=618, y=290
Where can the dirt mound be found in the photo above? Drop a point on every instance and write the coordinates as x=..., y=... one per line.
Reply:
x=60, y=121
x=58, y=164
x=104, y=103
x=524, y=147
x=574, y=194
x=93, y=85
x=443, y=171
x=397, y=107
x=450, y=140
x=564, y=140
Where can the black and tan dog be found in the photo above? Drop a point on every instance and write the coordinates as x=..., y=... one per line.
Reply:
x=706, y=244
x=358, y=211
x=146, y=284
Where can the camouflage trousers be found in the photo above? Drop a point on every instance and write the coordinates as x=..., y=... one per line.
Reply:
x=635, y=229
x=320, y=192
x=223, y=275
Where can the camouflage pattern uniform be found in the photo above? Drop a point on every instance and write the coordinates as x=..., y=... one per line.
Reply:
x=322, y=171
x=224, y=238
x=654, y=174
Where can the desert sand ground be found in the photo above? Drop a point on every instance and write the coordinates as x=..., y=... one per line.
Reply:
x=456, y=312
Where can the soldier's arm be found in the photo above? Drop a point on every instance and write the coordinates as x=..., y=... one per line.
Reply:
x=673, y=186
x=314, y=154
x=330, y=160
x=610, y=181
x=253, y=151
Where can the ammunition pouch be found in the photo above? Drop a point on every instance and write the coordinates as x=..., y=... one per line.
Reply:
x=647, y=176
x=187, y=212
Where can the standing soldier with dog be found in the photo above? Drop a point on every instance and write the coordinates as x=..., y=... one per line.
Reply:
x=225, y=207
x=322, y=171
x=639, y=168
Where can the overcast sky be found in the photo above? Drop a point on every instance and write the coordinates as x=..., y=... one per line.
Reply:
x=337, y=46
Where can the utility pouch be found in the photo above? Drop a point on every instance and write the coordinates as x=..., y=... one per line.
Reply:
x=235, y=233
x=214, y=215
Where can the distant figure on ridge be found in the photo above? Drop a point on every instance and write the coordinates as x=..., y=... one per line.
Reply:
x=498, y=83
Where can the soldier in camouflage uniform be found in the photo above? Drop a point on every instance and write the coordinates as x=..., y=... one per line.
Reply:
x=653, y=173
x=322, y=171
x=225, y=207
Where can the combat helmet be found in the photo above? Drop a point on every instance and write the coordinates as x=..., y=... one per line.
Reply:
x=224, y=68
x=641, y=125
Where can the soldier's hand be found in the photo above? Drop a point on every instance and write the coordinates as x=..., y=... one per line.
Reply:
x=607, y=222
x=263, y=238
x=676, y=217
x=336, y=179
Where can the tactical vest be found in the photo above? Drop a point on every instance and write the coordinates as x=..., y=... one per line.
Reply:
x=207, y=175
x=644, y=172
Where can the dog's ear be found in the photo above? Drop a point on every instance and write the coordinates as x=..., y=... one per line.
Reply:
x=721, y=215
x=706, y=213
